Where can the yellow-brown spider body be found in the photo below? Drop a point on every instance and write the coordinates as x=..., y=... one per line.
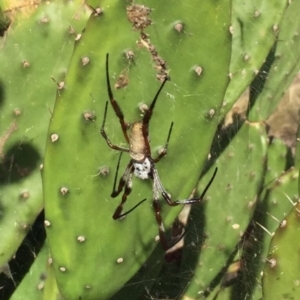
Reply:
x=137, y=146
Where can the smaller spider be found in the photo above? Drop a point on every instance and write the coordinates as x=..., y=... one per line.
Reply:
x=142, y=164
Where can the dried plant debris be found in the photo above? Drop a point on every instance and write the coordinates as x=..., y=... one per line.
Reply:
x=129, y=54
x=160, y=63
x=122, y=81
x=138, y=16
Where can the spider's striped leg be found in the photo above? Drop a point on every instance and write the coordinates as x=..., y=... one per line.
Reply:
x=157, y=190
x=149, y=112
x=148, y=115
x=161, y=228
x=164, y=152
x=103, y=133
x=188, y=201
x=115, y=104
x=123, y=180
x=126, y=184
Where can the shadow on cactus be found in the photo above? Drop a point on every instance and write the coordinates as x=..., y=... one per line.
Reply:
x=18, y=163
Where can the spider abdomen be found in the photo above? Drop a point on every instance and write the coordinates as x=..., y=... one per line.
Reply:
x=142, y=169
x=137, y=146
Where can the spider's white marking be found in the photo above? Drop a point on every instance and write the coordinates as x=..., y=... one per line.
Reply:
x=142, y=169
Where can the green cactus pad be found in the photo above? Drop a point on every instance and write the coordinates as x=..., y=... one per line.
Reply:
x=273, y=207
x=33, y=283
x=27, y=94
x=79, y=166
x=227, y=212
x=254, y=31
x=281, y=273
x=276, y=160
x=285, y=66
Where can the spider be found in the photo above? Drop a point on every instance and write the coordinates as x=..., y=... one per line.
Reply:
x=142, y=164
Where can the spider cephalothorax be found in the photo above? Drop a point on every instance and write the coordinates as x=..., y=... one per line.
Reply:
x=142, y=164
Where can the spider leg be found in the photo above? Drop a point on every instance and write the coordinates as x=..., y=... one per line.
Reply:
x=157, y=189
x=157, y=210
x=124, y=180
x=165, y=150
x=115, y=104
x=126, y=184
x=103, y=133
x=161, y=229
x=118, y=216
x=148, y=116
x=148, y=113
x=186, y=201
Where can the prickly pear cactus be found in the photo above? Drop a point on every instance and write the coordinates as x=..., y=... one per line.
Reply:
x=261, y=171
x=33, y=284
x=223, y=223
x=247, y=58
x=92, y=256
x=77, y=190
x=286, y=62
x=27, y=94
x=281, y=273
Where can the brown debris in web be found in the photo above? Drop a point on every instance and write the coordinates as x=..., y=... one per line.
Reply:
x=129, y=54
x=138, y=16
x=122, y=81
x=160, y=63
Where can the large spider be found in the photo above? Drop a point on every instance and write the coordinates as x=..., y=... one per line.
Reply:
x=142, y=164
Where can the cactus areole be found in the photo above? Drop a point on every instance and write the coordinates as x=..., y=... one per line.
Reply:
x=142, y=164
